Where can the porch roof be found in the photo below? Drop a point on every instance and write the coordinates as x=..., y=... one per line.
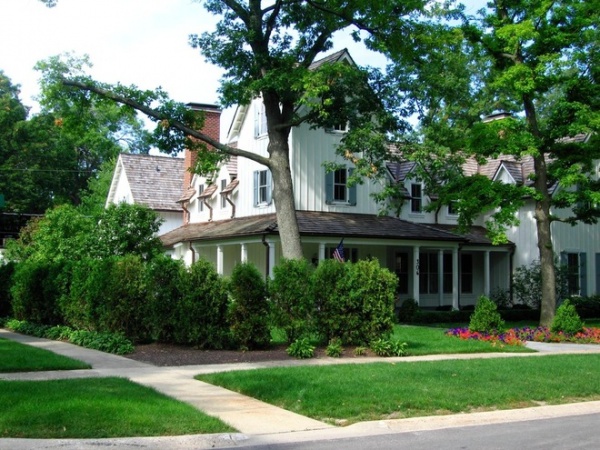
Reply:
x=312, y=223
x=476, y=235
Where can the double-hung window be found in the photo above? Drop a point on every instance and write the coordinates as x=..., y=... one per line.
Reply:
x=262, y=187
x=223, y=199
x=260, y=119
x=576, y=272
x=337, y=190
x=200, y=200
x=416, y=198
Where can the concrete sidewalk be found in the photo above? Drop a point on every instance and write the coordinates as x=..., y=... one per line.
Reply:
x=253, y=418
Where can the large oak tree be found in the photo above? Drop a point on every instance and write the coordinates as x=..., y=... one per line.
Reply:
x=266, y=49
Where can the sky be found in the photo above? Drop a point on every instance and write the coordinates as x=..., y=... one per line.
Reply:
x=141, y=42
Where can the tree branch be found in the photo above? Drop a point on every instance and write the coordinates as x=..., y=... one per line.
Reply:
x=150, y=112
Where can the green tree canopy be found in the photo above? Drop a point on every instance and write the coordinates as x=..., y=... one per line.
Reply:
x=536, y=61
x=267, y=50
x=48, y=159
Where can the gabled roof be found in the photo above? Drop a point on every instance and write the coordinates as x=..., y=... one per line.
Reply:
x=312, y=223
x=154, y=181
x=241, y=110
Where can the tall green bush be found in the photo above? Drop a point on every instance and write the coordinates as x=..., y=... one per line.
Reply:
x=163, y=275
x=355, y=302
x=82, y=307
x=374, y=287
x=249, y=311
x=36, y=289
x=567, y=319
x=201, y=313
x=336, y=313
x=124, y=306
x=293, y=299
x=486, y=318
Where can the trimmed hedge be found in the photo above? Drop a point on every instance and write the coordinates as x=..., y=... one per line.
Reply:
x=249, y=310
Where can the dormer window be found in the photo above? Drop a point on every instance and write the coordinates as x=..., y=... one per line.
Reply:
x=416, y=198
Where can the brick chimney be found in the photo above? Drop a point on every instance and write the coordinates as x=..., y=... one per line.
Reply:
x=212, y=128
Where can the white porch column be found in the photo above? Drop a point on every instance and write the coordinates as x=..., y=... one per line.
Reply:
x=440, y=277
x=486, y=274
x=244, y=253
x=220, y=259
x=455, y=278
x=321, y=251
x=415, y=274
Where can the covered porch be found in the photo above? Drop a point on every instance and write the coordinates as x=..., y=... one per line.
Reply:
x=435, y=267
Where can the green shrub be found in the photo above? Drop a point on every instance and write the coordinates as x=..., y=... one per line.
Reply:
x=301, y=348
x=501, y=297
x=81, y=308
x=587, y=307
x=527, y=283
x=58, y=333
x=6, y=272
x=486, y=318
x=249, y=310
x=355, y=301
x=27, y=327
x=386, y=347
x=162, y=276
x=407, y=311
x=292, y=298
x=567, y=320
x=105, y=342
x=201, y=312
x=360, y=351
x=334, y=348
x=36, y=289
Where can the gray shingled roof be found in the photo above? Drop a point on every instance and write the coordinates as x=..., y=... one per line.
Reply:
x=311, y=223
x=155, y=181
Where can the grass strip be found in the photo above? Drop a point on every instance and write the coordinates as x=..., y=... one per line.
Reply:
x=17, y=357
x=96, y=408
x=423, y=340
x=352, y=393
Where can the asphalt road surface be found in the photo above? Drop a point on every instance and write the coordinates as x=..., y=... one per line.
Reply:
x=565, y=433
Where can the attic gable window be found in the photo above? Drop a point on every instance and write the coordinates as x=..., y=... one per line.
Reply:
x=339, y=128
x=336, y=187
x=260, y=119
x=262, y=187
x=200, y=202
x=416, y=198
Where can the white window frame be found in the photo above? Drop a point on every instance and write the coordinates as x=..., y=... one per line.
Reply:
x=416, y=200
x=260, y=120
x=200, y=201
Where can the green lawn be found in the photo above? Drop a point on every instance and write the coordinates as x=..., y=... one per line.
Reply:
x=406, y=389
x=432, y=340
x=18, y=357
x=96, y=408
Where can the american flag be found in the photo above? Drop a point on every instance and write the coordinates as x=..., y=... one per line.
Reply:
x=338, y=252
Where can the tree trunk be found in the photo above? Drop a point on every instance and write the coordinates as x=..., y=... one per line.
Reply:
x=283, y=196
x=544, y=238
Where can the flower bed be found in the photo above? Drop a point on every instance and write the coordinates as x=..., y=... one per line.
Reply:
x=518, y=336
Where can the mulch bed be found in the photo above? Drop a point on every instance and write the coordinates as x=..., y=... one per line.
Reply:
x=177, y=355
